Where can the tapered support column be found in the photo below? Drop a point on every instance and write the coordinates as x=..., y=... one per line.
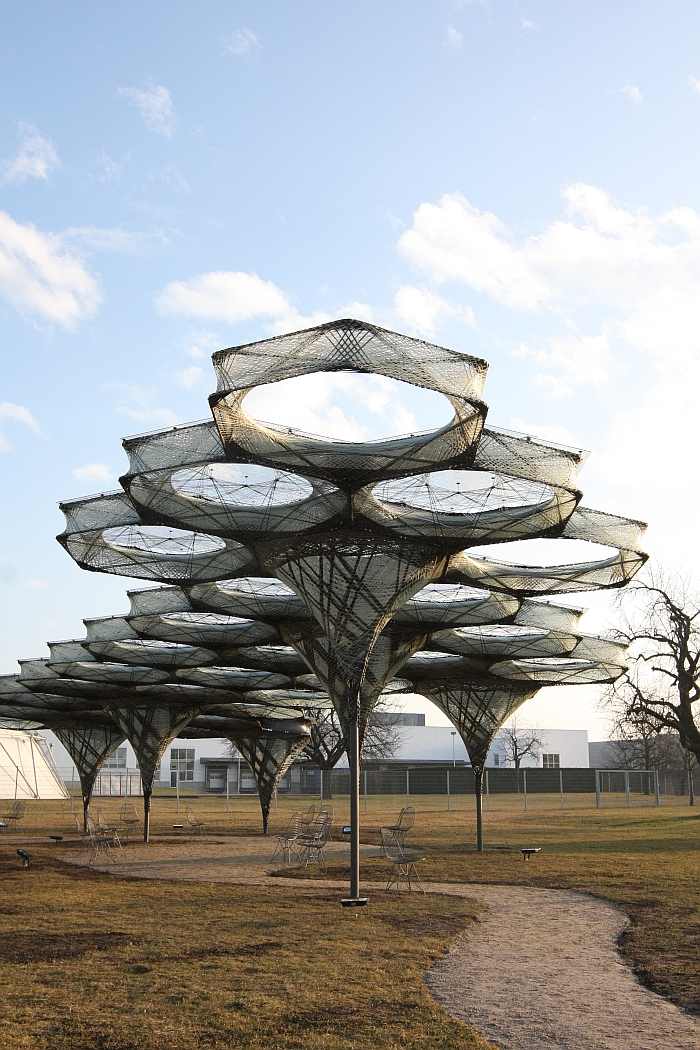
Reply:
x=478, y=789
x=353, y=745
x=146, y=812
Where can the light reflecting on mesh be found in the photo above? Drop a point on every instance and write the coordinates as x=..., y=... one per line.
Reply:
x=242, y=485
x=463, y=492
x=159, y=539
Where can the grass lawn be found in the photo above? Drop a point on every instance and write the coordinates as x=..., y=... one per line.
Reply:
x=93, y=961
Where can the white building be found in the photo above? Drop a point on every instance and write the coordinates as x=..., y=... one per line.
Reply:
x=203, y=763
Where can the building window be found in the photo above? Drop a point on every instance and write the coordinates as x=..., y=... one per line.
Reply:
x=550, y=761
x=117, y=760
x=496, y=760
x=182, y=761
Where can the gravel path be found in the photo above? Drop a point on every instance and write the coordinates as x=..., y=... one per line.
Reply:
x=539, y=971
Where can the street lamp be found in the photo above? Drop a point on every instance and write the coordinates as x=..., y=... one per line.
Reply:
x=454, y=760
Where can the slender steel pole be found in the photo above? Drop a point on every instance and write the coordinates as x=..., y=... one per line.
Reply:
x=365, y=784
x=478, y=782
x=72, y=785
x=488, y=796
x=448, y=791
x=525, y=789
x=354, y=759
x=561, y=789
x=408, y=788
x=227, y=790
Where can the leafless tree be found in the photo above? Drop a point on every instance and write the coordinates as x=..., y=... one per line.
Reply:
x=519, y=740
x=660, y=690
x=326, y=746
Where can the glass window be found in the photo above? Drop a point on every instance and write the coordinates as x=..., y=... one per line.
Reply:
x=550, y=761
x=182, y=761
x=117, y=760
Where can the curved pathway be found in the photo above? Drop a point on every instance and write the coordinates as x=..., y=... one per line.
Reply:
x=540, y=970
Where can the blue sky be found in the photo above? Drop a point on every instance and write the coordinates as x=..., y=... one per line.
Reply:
x=518, y=181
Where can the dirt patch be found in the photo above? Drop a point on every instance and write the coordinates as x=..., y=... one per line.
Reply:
x=45, y=947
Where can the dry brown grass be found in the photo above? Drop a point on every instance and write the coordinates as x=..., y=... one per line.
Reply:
x=92, y=961
x=118, y=964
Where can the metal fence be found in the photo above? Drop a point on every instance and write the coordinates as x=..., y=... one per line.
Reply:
x=531, y=787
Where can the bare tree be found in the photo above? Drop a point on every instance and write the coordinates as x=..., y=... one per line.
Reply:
x=326, y=746
x=519, y=740
x=661, y=688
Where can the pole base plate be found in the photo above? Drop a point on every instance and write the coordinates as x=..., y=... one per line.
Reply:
x=354, y=902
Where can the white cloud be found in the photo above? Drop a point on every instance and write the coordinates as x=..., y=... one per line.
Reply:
x=453, y=39
x=99, y=239
x=581, y=360
x=527, y=25
x=546, y=431
x=694, y=82
x=227, y=295
x=424, y=311
x=619, y=285
x=453, y=240
x=201, y=343
x=38, y=277
x=35, y=583
x=190, y=377
x=36, y=157
x=155, y=105
x=16, y=414
x=172, y=178
x=137, y=403
x=633, y=93
x=335, y=404
x=93, y=472
x=224, y=295
x=242, y=42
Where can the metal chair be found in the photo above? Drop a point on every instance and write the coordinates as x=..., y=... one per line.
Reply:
x=198, y=826
x=82, y=832
x=129, y=817
x=102, y=841
x=309, y=845
x=308, y=816
x=18, y=810
x=104, y=825
x=404, y=824
x=286, y=841
x=403, y=860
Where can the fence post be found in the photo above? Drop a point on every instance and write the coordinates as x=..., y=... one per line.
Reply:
x=525, y=788
x=561, y=788
x=597, y=789
x=448, y=790
x=365, y=786
x=488, y=797
x=238, y=782
x=72, y=784
x=627, y=787
x=408, y=788
x=656, y=787
x=227, y=790
x=177, y=790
